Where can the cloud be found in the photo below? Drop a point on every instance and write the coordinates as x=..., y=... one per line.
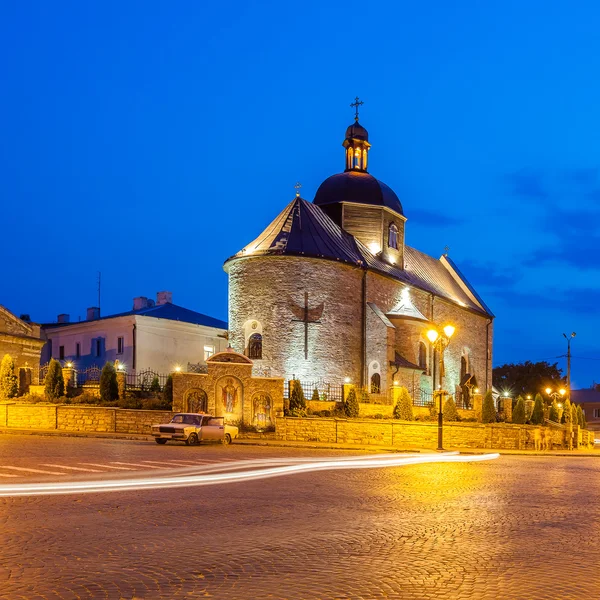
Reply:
x=527, y=183
x=486, y=274
x=423, y=216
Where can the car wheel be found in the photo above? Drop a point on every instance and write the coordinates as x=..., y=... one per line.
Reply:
x=227, y=439
x=192, y=439
x=160, y=440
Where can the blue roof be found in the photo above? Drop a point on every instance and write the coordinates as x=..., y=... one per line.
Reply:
x=168, y=311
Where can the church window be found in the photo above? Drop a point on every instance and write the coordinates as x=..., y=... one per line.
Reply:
x=120, y=345
x=77, y=350
x=61, y=352
x=208, y=352
x=255, y=346
x=422, y=355
x=375, y=383
x=393, y=236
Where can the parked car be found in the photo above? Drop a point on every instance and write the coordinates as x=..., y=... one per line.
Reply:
x=193, y=428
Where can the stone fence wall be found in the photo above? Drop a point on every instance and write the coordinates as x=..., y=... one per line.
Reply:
x=405, y=434
x=81, y=418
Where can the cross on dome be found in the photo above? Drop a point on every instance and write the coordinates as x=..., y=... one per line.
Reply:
x=298, y=186
x=355, y=105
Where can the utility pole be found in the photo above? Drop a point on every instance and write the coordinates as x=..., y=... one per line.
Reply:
x=569, y=338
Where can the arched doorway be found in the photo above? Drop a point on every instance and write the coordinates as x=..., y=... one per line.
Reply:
x=196, y=401
x=375, y=383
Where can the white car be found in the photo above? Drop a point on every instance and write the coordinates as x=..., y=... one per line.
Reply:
x=193, y=428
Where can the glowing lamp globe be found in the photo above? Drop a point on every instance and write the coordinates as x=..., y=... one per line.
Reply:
x=432, y=335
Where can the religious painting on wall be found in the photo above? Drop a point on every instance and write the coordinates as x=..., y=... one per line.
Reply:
x=229, y=398
x=196, y=401
x=261, y=407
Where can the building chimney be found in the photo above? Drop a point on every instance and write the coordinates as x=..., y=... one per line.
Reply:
x=164, y=297
x=64, y=318
x=141, y=302
x=93, y=313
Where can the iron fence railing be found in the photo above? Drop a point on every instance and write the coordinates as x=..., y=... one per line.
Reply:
x=326, y=390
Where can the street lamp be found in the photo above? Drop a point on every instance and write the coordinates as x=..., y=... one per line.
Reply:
x=440, y=341
x=556, y=394
x=569, y=338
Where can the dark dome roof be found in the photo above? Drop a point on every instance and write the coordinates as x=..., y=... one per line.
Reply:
x=358, y=132
x=357, y=187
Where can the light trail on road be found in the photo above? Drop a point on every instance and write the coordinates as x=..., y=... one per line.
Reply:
x=283, y=467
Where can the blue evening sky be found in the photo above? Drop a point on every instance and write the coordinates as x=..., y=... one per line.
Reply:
x=152, y=140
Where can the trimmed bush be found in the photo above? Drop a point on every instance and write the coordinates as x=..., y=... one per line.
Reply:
x=315, y=395
x=351, y=408
x=567, y=416
x=155, y=385
x=403, y=409
x=581, y=417
x=553, y=412
x=450, y=411
x=8, y=380
x=54, y=386
x=297, y=400
x=109, y=389
x=167, y=393
x=518, y=415
x=537, y=415
x=488, y=410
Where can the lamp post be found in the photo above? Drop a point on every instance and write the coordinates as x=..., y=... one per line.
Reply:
x=554, y=394
x=569, y=338
x=440, y=341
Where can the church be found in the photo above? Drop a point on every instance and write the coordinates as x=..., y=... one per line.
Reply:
x=330, y=291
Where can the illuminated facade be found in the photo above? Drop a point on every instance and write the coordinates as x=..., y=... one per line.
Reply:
x=330, y=290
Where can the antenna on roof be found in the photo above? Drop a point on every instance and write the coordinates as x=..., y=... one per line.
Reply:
x=298, y=186
x=99, y=284
x=446, y=250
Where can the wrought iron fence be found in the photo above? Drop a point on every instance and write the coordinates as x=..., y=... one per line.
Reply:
x=422, y=397
x=366, y=396
x=40, y=372
x=146, y=381
x=327, y=391
x=89, y=376
x=197, y=368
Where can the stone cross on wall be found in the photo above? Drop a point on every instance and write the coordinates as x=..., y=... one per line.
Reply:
x=308, y=316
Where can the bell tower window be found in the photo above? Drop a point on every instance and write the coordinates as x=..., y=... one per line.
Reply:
x=393, y=236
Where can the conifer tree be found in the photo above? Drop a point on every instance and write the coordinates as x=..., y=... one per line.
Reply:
x=167, y=393
x=315, y=395
x=155, y=385
x=8, y=380
x=450, y=411
x=537, y=416
x=54, y=386
x=297, y=399
x=518, y=415
x=581, y=417
x=351, y=407
x=567, y=416
x=553, y=412
x=488, y=410
x=403, y=409
x=109, y=388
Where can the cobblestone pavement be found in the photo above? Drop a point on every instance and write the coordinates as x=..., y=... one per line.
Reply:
x=516, y=527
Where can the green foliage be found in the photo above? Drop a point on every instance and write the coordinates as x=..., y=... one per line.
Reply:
x=567, y=416
x=54, y=386
x=155, y=385
x=403, y=409
x=537, y=415
x=8, y=380
x=109, y=389
x=518, y=415
x=167, y=394
x=351, y=408
x=581, y=417
x=297, y=400
x=488, y=410
x=450, y=412
x=554, y=412
x=315, y=395
x=523, y=378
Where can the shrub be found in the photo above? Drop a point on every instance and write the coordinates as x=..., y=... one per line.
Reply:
x=315, y=395
x=518, y=415
x=566, y=415
x=130, y=402
x=55, y=384
x=488, y=410
x=155, y=385
x=109, y=389
x=167, y=393
x=581, y=417
x=378, y=416
x=32, y=398
x=297, y=400
x=8, y=379
x=537, y=415
x=450, y=412
x=403, y=409
x=350, y=404
x=553, y=412
x=85, y=398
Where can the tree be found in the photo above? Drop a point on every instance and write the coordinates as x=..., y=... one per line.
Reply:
x=109, y=388
x=581, y=417
x=297, y=399
x=155, y=385
x=488, y=410
x=450, y=411
x=527, y=377
x=168, y=391
x=54, y=386
x=315, y=395
x=518, y=415
x=351, y=408
x=8, y=380
x=403, y=409
x=537, y=415
x=553, y=412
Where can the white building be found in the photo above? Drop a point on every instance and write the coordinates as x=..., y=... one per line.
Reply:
x=152, y=336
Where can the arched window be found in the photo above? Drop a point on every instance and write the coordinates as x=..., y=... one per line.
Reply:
x=423, y=355
x=255, y=346
x=463, y=368
x=375, y=383
x=393, y=236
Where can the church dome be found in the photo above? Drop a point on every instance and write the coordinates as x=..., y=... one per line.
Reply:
x=357, y=187
x=358, y=132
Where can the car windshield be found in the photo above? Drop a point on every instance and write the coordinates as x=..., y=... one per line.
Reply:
x=186, y=419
